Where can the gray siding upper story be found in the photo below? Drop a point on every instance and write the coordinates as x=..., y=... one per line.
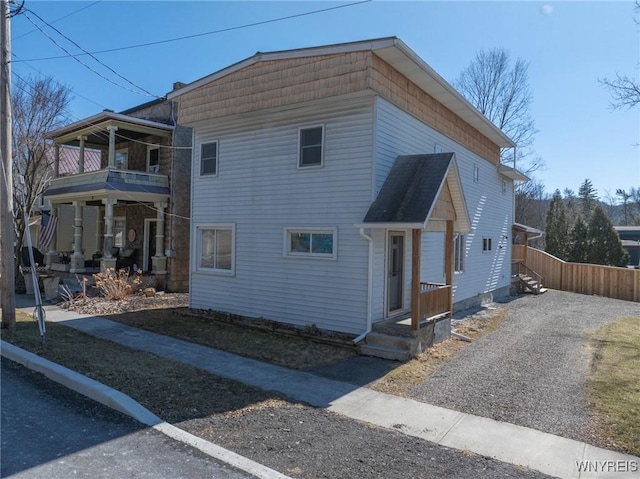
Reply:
x=490, y=210
x=260, y=189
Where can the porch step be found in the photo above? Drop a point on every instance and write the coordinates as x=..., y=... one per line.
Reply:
x=388, y=340
x=385, y=352
x=386, y=346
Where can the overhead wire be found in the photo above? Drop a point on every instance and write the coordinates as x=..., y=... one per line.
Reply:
x=141, y=91
x=60, y=18
x=213, y=32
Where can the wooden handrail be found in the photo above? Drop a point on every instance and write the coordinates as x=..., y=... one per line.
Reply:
x=521, y=266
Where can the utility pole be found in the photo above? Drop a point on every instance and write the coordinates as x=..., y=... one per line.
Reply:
x=7, y=262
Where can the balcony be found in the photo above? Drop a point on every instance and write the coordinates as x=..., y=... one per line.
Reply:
x=125, y=185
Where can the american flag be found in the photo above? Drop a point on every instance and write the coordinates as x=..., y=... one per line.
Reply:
x=47, y=229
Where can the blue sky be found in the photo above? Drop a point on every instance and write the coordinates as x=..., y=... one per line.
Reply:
x=569, y=46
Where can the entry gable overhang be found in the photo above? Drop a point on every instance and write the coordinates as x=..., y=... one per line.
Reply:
x=412, y=190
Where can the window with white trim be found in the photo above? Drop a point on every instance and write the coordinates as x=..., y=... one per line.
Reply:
x=437, y=149
x=215, y=248
x=486, y=244
x=209, y=158
x=311, y=242
x=504, y=187
x=153, y=159
x=476, y=173
x=458, y=254
x=122, y=158
x=311, y=142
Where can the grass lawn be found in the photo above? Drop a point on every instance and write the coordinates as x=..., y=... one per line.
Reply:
x=292, y=352
x=170, y=389
x=614, y=384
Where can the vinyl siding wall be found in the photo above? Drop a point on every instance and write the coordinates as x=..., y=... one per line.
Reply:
x=260, y=189
x=490, y=211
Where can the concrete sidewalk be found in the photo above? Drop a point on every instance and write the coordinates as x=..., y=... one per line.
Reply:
x=553, y=455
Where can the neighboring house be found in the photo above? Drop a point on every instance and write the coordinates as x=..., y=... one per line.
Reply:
x=343, y=185
x=630, y=238
x=131, y=206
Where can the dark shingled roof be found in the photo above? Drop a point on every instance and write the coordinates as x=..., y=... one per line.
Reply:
x=410, y=189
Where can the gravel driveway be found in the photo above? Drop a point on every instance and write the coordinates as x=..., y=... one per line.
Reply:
x=532, y=370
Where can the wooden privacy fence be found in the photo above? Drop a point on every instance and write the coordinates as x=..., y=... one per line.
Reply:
x=608, y=281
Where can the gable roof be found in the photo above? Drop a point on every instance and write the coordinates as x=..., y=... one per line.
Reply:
x=393, y=51
x=410, y=193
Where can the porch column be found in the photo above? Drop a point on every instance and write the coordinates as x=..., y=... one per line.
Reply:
x=81, y=139
x=416, y=248
x=108, y=261
x=159, y=260
x=52, y=253
x=56, y=160
x=526, y=246
x=448, y=262
x=77, y=259
x=112, y=146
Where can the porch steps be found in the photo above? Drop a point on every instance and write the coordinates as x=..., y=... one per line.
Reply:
x=385, y=346
x=531, y=285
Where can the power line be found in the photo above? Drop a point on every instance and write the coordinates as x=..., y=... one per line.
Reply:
x=45, y=76
x=58, y=19
x=146, y=93
x=213, y=32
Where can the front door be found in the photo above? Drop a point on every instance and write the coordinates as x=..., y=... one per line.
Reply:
x=395, y=271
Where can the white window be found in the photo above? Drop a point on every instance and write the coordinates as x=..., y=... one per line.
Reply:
x=504, y=187
x=458, y=254
x=153, y=159
x=209, y=158
x=486, y=244
x=310, y=153
x=476, y=173
x=119, y=229
x=122, y=159
x=310, y=242
x=437, y=149
x=215, y=248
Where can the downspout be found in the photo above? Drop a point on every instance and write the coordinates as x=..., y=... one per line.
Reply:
x=369, y=287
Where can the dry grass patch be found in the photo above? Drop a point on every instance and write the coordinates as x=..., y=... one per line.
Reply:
x=170, y=389
x=416, y=370
x=169, y=315
x=614, y=385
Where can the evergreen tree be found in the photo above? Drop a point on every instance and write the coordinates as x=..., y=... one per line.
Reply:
x=557, y=229
x=588, y=197
x=579, y=242
x=605, y=245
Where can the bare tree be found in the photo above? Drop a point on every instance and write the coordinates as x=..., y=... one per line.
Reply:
x=531, y=204
x=625, y=90
x=500, y=90
x=39, y=105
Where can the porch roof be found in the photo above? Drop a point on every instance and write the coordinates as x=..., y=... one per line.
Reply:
x=409, y=194
x=94, y=127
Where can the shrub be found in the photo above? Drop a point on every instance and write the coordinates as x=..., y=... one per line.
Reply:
x=117, y=285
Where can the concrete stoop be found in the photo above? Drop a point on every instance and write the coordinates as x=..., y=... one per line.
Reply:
x=380, y=345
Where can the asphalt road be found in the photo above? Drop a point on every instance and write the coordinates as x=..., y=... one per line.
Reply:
x=50, y=431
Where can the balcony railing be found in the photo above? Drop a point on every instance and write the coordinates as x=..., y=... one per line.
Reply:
x=101, y=179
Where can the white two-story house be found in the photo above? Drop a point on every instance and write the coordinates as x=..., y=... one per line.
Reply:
x=341, y=186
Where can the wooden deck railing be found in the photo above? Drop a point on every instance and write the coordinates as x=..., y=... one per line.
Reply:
x=608, y=281
x=435, y=299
